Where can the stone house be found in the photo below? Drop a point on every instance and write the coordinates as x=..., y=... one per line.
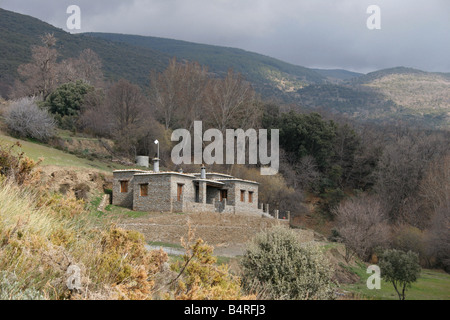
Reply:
x=156, y=191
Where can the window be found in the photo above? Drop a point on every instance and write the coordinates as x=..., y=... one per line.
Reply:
x=123, y=186
x=242, y=195
x=250, y=196
x=179, y=191
x=223, y=194
x=144, y=190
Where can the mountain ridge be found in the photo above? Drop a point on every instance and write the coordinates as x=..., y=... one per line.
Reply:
x=384, y=95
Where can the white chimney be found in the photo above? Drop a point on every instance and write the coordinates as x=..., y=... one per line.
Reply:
x=203, y=172
x=156, y=165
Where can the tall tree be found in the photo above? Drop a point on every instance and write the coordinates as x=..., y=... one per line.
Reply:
x=177, y=94
x=230, y=103
x=127, y=109
x=40, y=75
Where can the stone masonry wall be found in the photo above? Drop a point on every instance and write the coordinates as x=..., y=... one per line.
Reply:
x=188, y=194
x=123, y=199
x=158, y=198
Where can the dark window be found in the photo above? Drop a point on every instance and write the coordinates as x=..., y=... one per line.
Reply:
x=223, y=194
x=179, y=192
x=123, y=186
x=242, y=195
x=250, y=196
x=144, y=190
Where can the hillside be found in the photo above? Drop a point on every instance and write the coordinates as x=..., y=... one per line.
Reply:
x=390, y=95
x=396, y=94
x=338, y=75
x=420, y=93
x=258, y=69
x=20, y=32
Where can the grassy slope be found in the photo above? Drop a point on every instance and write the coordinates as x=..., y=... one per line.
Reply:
x=432, y=285
x=56, y=157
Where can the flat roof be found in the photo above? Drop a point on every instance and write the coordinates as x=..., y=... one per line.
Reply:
x=227, y=177
x=240, y=180
x=131, y=170
x=214, y=182
x=216, y=173
x=165, y=173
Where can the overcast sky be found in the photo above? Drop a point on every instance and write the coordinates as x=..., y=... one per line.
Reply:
x=311, y=33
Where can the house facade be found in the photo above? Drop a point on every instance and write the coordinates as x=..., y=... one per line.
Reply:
x=156, y=191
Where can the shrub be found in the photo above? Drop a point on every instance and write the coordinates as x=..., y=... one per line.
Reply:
x=408, y=238
x=276, y=261
x=18, y=167
x=10, y=289
x=199, y=277
x=25, y=119
x=400, y=268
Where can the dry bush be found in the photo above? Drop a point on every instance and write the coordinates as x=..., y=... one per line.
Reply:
x=409, y=238
x=274, y=190
x=17, y=167
x=199, y=277
x=25, y=119
x=362, y=226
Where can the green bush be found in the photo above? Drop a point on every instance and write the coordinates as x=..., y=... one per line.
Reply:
x=400, y=268
x=283, y=268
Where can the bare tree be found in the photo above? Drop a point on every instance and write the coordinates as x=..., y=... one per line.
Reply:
x=439, y=235
x=400, y=171
x=362, y=226
x=435, y=187
x=44, y=73
x=87, y=67
x=126, y=110
x=177, y=94
x=231, y=103
x=40, y=75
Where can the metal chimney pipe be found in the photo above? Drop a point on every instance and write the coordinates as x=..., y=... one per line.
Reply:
x=203, y=172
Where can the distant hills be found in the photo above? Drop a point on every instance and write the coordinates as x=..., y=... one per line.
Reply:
x=264, y=72
x=396, y=94
x=338, y=74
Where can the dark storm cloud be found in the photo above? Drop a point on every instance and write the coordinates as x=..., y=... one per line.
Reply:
x=315, y=33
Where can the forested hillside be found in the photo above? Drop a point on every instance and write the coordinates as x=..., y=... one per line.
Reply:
x=19, y=32
x=385, y=96
x=256, y=68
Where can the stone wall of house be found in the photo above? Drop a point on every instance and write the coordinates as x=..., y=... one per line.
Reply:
x=188, y=194
x=234, y=194
x=162, y=193
x=212, y=195
x=123, y=199
x=158, y=197
x=199, y=207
